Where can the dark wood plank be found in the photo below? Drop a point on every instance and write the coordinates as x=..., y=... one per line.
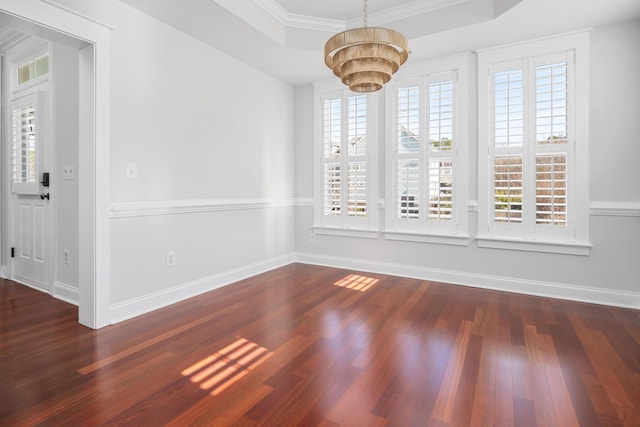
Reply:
x=305, y=345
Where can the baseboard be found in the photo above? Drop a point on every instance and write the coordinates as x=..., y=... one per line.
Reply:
x=508, y=284
x=138, y=306
x=66, y=293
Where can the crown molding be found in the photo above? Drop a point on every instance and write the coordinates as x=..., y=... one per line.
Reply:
x=409, y=10
x=417, y=7
x=287, y=19
x=56, y=3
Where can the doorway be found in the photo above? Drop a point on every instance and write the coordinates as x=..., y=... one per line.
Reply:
x=29, y=149
x=56, y=24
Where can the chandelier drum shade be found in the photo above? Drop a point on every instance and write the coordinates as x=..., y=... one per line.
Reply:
x=365, y=58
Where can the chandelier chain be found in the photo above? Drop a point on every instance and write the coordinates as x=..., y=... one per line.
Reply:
x=365, y=9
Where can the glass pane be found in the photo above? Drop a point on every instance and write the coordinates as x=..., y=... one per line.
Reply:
x=408, y=119
x=508, y=189
x=357, y=189
x=441, y=189
x=508, y=107
x=42, y=65
x=551, y=189
x=332, y=190
x=23, y=132
x=409, y=188
x=26, y=73
x=332, y=130
x=551, y=103
x=357, y=129
x=440, y=115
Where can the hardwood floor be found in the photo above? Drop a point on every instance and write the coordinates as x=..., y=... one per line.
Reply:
x=314, y=346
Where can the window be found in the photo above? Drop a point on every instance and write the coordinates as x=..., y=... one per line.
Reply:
x=25, y=135
x=427, y=151
x=34, y=68
x=346, y=145
x=532, y=127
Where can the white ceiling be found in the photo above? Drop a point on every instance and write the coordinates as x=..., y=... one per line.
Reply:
x=285, y=38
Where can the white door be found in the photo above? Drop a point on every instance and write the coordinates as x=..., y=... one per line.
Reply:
x=31, y=226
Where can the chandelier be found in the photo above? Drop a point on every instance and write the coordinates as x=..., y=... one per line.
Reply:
x=365, y=58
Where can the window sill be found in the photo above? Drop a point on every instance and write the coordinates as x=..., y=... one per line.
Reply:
x=567, y=248
x=345, y=232
x=443, y=239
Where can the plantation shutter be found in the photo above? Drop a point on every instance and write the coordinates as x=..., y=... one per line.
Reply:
x=530, y=155
x=551, y=129
x=332, y=137
x=344, y=158
x=425, y=149
x=408, y=152
x=441, y=140
x=356, y=153
x=25, y=136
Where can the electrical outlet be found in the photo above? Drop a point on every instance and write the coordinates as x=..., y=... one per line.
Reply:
x=171, y=259
x=312, y=238
x=68, y=172
x=66, y=256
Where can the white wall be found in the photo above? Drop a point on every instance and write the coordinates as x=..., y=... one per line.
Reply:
x=610, y=274
x=615, y=109
x=203, y=129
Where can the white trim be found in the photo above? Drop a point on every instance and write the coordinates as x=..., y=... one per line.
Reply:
x=76, y=13
x=409, y=10
x=172, y=207
x=147, y=303
x=31, y=283
x=315, y=23
x=442, y=239
x=505, y=284
x=615, y=209
x=306, y=202
x=287, y=19
x=518, y=44
x=66, y=293
x=345, y=232
x=515, y=244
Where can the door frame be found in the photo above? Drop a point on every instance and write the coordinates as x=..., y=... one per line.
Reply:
x=50, y=20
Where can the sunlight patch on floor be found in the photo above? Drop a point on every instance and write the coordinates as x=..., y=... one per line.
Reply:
x=220, y=370
x=357, y=282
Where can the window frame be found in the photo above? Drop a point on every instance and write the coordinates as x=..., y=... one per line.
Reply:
x=529, y=236
x=345, y=225
x=422, y=229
